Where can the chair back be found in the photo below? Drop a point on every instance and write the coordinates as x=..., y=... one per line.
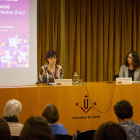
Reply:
x=116, y=76
x=62, y=137
x=87, y=135
x=15, y=137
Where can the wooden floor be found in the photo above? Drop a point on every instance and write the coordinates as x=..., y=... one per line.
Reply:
x=81, y=107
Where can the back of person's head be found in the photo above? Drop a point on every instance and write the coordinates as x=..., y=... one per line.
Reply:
x=110, y=131
x=123, y=109
x=36, y=128
x=51, y=113
x=4, y=130
x=13, y=108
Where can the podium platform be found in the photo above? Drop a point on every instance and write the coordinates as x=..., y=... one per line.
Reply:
x=81, y=107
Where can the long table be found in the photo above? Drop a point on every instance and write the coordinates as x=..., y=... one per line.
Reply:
x=81, y=107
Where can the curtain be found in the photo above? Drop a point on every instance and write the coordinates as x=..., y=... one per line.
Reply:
x=48, y=29
x=99, y=35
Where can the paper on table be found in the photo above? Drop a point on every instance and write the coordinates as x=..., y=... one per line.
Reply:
x=51, y=83
x=135, y=81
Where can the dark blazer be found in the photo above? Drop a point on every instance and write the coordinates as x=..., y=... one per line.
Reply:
x=124, y=73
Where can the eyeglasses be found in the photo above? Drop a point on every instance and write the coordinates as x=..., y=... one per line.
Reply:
x=129, y=57
x=52, y=58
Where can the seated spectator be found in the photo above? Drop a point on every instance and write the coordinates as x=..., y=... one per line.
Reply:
x=110, y=131
x=52, y=116
x=11, y=112
x=4, y=130
x=36, y=128
x=124, y=111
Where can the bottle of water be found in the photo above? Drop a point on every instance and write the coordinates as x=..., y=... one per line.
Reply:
x=75, y=78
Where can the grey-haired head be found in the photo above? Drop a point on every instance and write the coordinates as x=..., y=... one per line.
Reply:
x=13, y=108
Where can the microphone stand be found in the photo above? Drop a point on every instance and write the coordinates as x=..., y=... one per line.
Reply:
x=110, y=75
x=50, y=70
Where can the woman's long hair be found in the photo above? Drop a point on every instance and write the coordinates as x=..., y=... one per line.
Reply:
x=135, y=60
x=4, y=130
x=36, y=128
x=110, y=131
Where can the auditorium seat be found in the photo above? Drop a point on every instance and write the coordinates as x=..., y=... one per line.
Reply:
x=86, y=135
x=63, y=137
x=15, y=137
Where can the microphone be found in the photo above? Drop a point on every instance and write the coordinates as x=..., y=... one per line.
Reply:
x=110, y=74
x=51, y=66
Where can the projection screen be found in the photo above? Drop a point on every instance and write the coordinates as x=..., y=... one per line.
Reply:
x=18, y=42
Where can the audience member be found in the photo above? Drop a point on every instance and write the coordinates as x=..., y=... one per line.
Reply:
x=11, y=112
x=4, y=130
x=52, y=116
x=36, y=128
x=124, y=112
x=110, y=131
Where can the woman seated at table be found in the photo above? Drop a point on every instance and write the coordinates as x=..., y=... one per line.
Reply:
x=50, y=71
x=51, y=114
x=131, y=67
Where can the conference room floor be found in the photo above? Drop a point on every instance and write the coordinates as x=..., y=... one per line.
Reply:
x=81, y=107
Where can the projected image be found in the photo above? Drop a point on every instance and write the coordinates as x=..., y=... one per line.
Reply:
x=14, y=33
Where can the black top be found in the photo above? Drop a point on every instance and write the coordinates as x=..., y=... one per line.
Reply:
x=11, y=119
x=131, y=74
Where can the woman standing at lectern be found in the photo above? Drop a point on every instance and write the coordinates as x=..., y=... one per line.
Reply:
x=131, y=67
x=50, y=71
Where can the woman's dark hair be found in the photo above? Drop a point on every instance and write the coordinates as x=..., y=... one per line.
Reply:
x=36, y=128
x=50, y=54
x=4, y=130
x=110, y=131
x=123, y=109
x=51, y=113
x=135, y=60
